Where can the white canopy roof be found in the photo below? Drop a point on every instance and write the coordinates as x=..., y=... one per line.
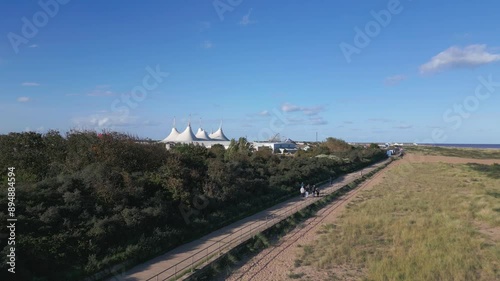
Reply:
x=218, y=135
x=172, y=137
x=187, y=135
x=202, y=134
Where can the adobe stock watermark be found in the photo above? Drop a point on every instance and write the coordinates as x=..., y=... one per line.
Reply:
x=200, y=202
x=31, y=27
x=150, y=82
x=363, y=37
x=277, y=124
x=455, y=115
x=458, y=112
x=223, y=6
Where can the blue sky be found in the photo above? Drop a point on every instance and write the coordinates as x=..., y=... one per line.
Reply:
x=405, y=71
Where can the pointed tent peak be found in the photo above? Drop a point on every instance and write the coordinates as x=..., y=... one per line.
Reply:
x=187, y=135
x=172, y=136
x=202, y=135
x=218, y=135
x=173, y=125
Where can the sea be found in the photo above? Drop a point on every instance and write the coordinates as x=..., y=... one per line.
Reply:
x=468, y=145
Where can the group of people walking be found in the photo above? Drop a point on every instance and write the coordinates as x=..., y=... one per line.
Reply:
x=306, y=190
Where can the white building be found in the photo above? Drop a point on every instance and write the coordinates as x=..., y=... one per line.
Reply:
x=218, y=137
x=277, y=147
x=201, y=138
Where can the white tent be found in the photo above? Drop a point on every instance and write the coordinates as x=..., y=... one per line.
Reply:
x=218, y=135
x=187, y=135
x=173, y=134
x=172, y=137
x=202, y=134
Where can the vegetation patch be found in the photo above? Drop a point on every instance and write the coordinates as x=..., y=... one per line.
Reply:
x=89, y=201
x=423, y=222
x=455, y=152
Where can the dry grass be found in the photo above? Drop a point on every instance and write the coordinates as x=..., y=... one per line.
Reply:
x=423, y=222
x=456, y=152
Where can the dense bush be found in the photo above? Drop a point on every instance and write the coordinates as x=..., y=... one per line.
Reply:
x=86, y=201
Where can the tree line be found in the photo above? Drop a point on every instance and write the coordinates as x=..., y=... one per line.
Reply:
x=86, y=200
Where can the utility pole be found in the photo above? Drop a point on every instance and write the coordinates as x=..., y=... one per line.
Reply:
x=316, y=136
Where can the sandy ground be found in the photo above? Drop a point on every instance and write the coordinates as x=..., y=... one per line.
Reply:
x=277, y=261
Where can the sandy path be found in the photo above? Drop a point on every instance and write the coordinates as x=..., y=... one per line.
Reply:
x=277, y=261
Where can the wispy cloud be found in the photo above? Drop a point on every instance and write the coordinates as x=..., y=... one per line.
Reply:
x=395, y=79
x=33, y=46
x=403, y=127
x=96, y=93
x=264, y=113
x=30, y=84
x=383, y=120
x=307, y=110
x=287, y=107
x=465, y=35
x=318, y=121
x=245, y=20
x=204, y=25
x=348, y=122
x=101, y=91
x=23, y=99
x=310, y=111
x=207, y=44
x=456, y=57
x=104, y=119
x=38, y=130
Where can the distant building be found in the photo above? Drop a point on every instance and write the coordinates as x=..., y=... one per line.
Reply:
x=278, y=147
x=218, y=137
x=201, y=137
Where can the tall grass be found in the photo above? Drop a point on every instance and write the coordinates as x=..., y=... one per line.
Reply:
x=421, y=223
x=456, y=152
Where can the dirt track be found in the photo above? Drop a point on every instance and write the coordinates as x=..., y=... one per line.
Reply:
x=277, y=261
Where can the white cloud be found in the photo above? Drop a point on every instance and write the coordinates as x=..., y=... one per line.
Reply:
x=33, y=46
x=310, y=111
x=318, y=121
x=264, y=113
x=101, y=93
x=37, y=130
x=395, y=79
x=23, y=99
x=287, y=107
x=105, y=119
x=455, y=57
x=207, y=45
x=30, y=84
x=245, y=20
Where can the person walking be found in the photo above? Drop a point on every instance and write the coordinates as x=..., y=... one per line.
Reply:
x=302, y=191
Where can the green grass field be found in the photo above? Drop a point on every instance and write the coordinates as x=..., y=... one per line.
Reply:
x=455, y=152
x=423, y=222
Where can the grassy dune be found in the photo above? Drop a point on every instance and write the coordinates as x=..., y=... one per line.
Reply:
x=423, y=222
x=456, y=152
